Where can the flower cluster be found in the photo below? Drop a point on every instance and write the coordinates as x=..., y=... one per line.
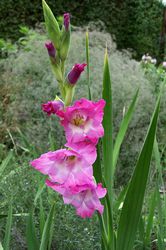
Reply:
x=70, y=170
x=148, y=59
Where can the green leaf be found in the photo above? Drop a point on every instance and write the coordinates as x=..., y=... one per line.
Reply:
x=52, y=25
x=47, y=228
x=6, y=243
x=5, y=162
x=122, y=131
x=41, y=188
x=141, y=228
x=133, y=203
x=150, y=218
x=51, y=236
x=161, y=201
x=88, y=66
x=32, y=240
x=108, y=128
x=41, y=217
x=120, y=198
x=161, y=223
x=107, y=142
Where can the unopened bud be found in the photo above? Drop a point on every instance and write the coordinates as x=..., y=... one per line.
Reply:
x=75, y=73
x=52, y=107
x=51, y=49
x=66, y=21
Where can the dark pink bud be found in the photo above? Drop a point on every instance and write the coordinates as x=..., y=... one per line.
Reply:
x=52, y=107
x=75, y=73
x=66, y=20
x=51, y=49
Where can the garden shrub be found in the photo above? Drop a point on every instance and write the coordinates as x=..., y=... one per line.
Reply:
x=135, y=24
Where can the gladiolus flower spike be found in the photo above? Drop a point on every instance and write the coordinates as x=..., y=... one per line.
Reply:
x=69, y=170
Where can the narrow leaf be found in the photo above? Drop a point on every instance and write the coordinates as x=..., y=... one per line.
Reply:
x=41, y=188
x=52, y=25
x=47, y=228
x=161, y=211
x=32, y=240
x=5, y=163
x=161, y=223
x=41, y=217
x=108, y=128
x=133, y=203
x=141, y=228
x=120, y=199
x=122, y=131
x=88, y=66
x=150, y=218
x=6, y=243
x=107, y=142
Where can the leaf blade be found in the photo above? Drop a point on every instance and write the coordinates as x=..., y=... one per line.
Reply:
x=107, y=139
x=6, y=243
x=52, y=25
x=31, y=238
x=132, y=207
x=5, y=162
x=46, y=230
x=122, y=130
x=88, y=63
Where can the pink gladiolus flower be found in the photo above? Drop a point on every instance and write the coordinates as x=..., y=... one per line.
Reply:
x=84, y=148
x=75, y=73
x=65, y=167
x=83, y=122
x=84, y=198
x=66, y=22
x=51, y=49
x=52, y=107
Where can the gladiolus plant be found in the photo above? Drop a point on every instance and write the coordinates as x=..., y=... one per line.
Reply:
x=83, y=171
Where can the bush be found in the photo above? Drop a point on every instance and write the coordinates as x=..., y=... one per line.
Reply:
x=135, y=24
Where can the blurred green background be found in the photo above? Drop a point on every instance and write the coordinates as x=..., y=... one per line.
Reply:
x=134, y=24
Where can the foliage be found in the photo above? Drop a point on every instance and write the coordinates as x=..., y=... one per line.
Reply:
x=135, y=24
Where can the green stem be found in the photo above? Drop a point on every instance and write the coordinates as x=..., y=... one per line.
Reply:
x=69, y=95
x=63, y=69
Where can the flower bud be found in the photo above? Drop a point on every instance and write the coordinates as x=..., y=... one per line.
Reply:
x=75, y=73
x=52, y=107
x=65, y=38
x=51, y=49
x=66, y=21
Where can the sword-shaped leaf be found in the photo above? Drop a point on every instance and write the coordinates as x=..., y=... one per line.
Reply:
x=133, y=202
